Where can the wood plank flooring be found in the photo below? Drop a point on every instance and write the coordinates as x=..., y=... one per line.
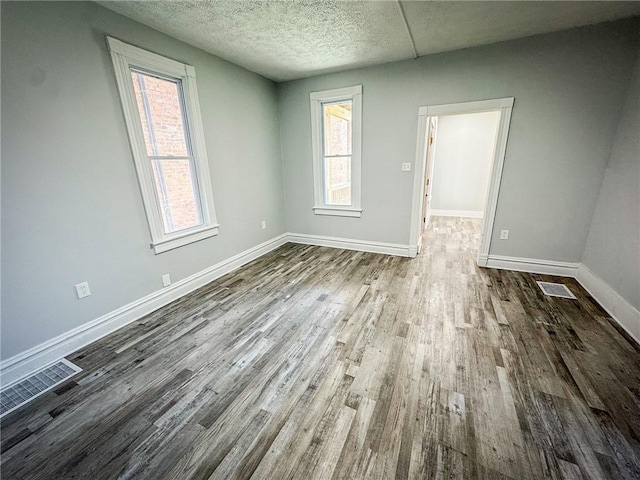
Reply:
x=318, y=363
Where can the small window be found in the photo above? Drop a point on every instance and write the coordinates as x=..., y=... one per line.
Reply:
x=162, y=114
x=336, y=137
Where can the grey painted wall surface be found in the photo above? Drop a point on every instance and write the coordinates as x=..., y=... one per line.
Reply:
x=612, y=251
x=71, y=206
x=465, y=145
x=569, y=88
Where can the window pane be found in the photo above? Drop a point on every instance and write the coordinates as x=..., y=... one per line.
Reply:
x=337, y=128
x=177, y=194
x=337, y=180
x=161, y=115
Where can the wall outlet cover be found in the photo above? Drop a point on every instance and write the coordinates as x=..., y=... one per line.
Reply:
x=82, y=290
x=406, y=167
x=166, y=280
x=504, y=234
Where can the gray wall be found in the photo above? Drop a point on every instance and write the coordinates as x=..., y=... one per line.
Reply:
x=612, y=251
x=569, y=88
x=71, y=206
x=465, y=145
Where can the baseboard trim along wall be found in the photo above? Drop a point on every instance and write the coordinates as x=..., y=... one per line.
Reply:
x=624, y=314
x=350, y=244
x=456, y=213
x=532, y=265
x=24, y=364
x=19, y=366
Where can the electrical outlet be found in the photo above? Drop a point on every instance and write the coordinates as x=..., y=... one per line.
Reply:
x=406, y=167
x=264, y=225
x=504, y=234
x=82, y=290
x=166, y=280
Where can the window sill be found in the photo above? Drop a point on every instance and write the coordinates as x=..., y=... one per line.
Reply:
x=338, y=211
x=184, y=238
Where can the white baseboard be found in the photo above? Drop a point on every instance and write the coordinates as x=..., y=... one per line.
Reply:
x=19, y=366
x=625, y=314
x=622, y=312
x=456, y=213
x=418, y=248
x=25, y=363
x=531, y=265
x=350, y=244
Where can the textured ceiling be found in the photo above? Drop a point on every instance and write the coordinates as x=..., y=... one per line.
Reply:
x=443, y=26
x=289, y=39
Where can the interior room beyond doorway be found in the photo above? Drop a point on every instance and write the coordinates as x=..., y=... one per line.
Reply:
x=459, y=160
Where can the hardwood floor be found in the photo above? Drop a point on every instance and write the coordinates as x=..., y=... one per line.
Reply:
x=317, y=363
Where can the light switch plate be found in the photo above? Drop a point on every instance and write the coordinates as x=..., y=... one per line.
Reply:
x=406, y=167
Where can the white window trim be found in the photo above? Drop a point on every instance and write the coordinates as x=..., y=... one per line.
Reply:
x=125, y=56
x=317, y=99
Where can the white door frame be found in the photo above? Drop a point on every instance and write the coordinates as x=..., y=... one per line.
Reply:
x=505, y=106
x=431, y=150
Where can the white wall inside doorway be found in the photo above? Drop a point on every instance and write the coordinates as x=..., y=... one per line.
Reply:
x=462, y=166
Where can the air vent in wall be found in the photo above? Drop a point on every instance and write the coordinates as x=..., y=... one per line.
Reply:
x=25, y=390
x=555, y=290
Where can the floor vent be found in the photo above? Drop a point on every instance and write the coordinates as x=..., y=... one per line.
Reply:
x=556, y=290
x=25, y=390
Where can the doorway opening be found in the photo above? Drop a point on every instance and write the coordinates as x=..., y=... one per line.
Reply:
x=457, y=176
x=459, y=159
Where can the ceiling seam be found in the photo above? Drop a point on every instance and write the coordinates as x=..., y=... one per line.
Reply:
x=406, y=26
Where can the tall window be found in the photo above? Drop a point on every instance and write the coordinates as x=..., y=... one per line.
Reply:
x=338, y=148
x=336, y=119
x=160, y=102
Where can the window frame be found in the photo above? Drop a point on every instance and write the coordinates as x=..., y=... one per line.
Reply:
x=317, y=99
x=126, y=57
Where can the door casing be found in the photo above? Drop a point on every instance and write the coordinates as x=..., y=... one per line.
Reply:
x=505, y=106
